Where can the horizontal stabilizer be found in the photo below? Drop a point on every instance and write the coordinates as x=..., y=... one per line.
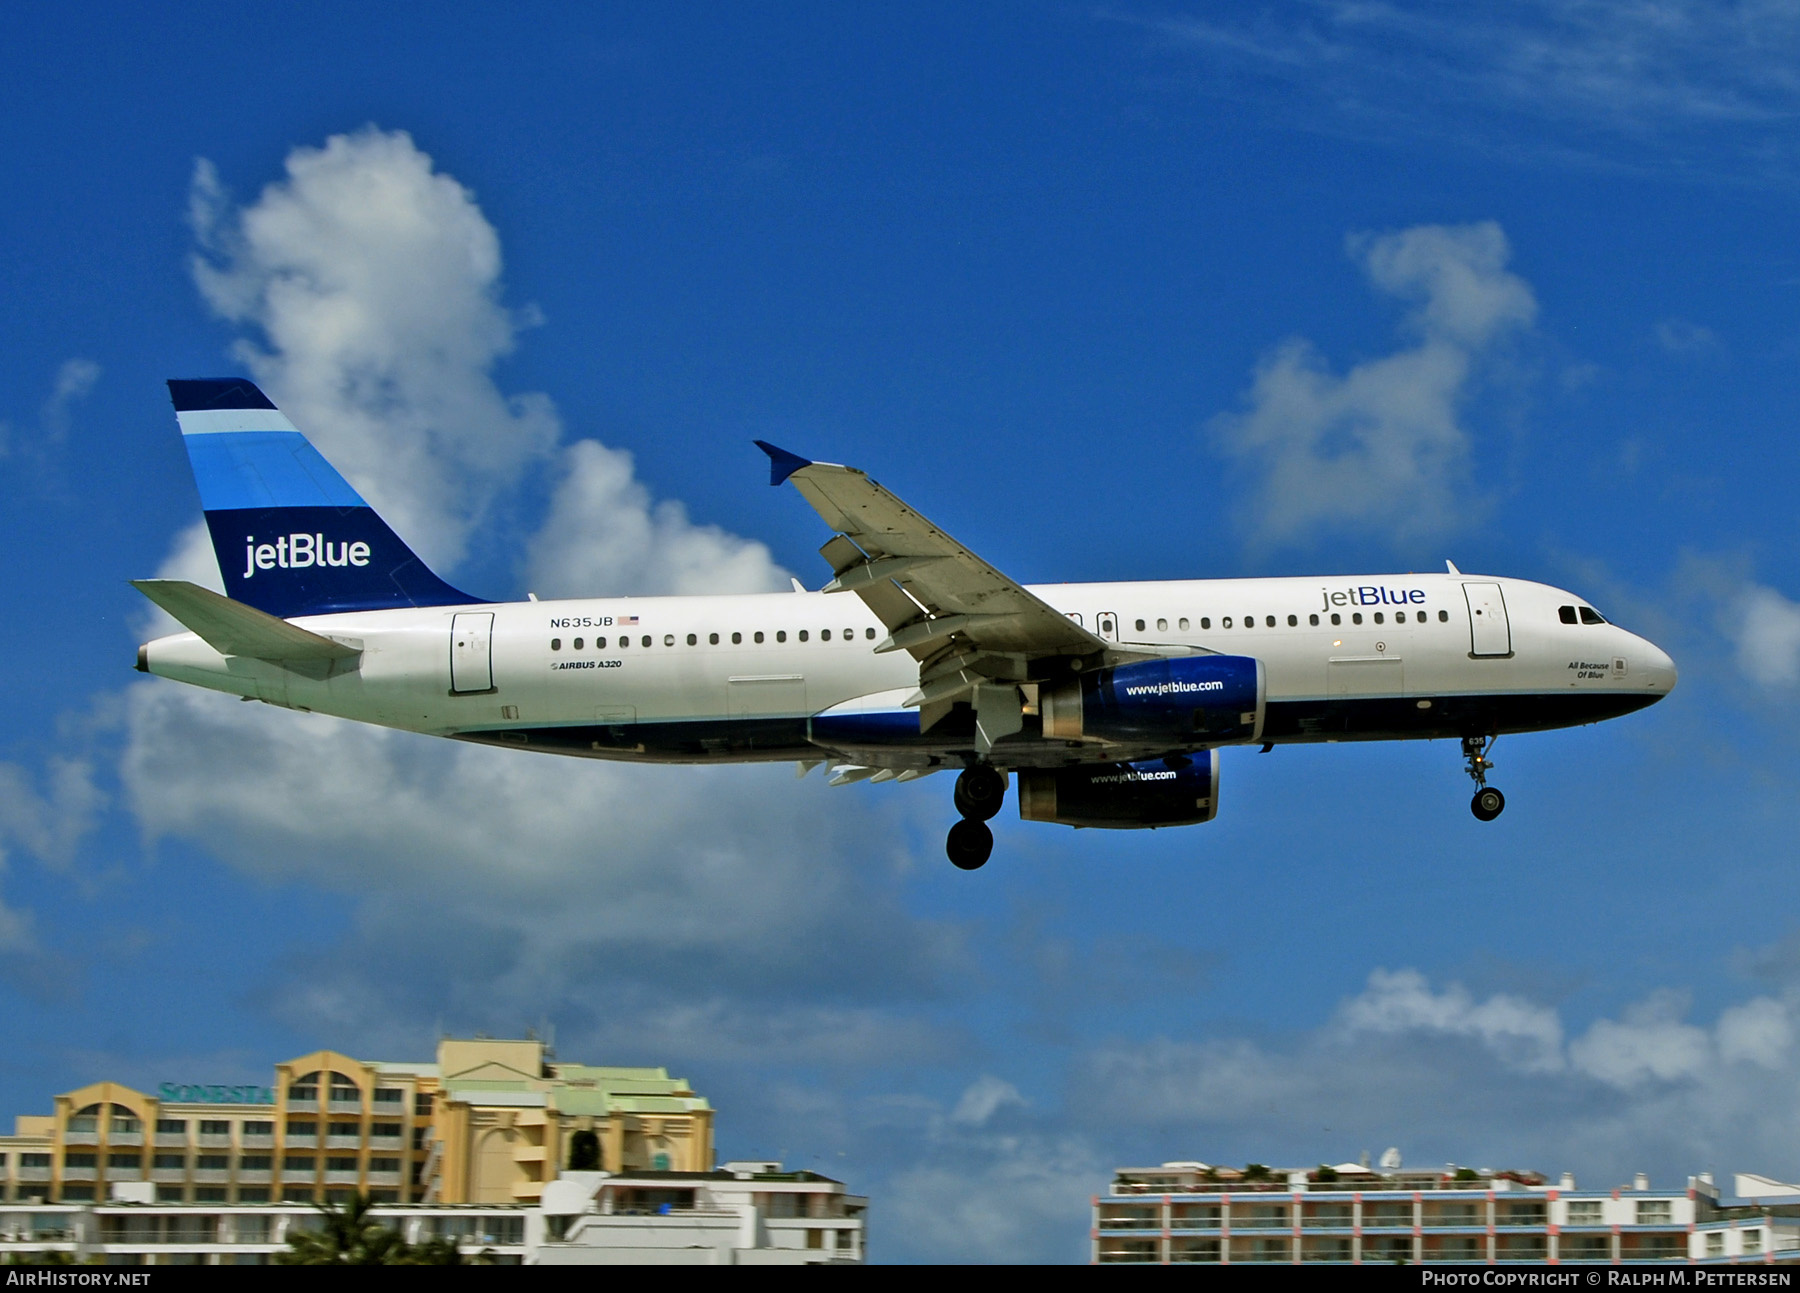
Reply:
x=232, y=628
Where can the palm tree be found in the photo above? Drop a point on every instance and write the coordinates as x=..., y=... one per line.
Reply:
x=349, y=1236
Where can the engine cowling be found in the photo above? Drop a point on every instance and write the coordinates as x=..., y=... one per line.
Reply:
x=1179, y=791
x=1185, y=700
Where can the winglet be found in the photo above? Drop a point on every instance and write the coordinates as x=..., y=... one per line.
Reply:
x=1451, y=567
x=782, y=464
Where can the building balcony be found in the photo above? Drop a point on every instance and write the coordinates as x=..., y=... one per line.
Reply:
x=262, y=1141
x=212, y=1140
x=85, y=1136
x=254, y=1176
x=382, y=1178
x=32, y=1174
x=171, y=1140
x=126, y=1139
x=343, y=1142
x=302, y=1142
x=340, y=1178
x=386, y=1142
x=211, y=1176
x=298, y=1175
x=343, y=1106
x=81, y=1173
x=302, y=1106
x=168, y=1175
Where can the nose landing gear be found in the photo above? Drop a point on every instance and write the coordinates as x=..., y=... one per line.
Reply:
x=980, y=791
x=1488, y=802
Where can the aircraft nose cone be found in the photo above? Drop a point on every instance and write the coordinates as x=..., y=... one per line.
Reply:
x=1659, y=670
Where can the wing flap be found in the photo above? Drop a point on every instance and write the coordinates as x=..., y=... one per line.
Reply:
x=232, y=628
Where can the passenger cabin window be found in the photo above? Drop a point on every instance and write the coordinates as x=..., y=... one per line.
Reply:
x=1140, y=626
x=870, y=634
x=781, y=635
x=803, y=635
x=624, y=642
x=1443, y=617
x=668, y=639
x=1162, y=626
x=759, y=635
x=1591, y=616
x=1206, y=622
x=556, y=644
x=737, y=639
x=1378, y=617
x=1226, y=622
x=1566, y=614
x=1313, y=620
x=599, y=644
x=576, y=645
x=1356, y=617
x=645, y=640
x=1336, y=618
x=1182, y=623
x=1269, y=621
x=712, y=639
x=692, y=640
x=824, y=635
x=1293, y=621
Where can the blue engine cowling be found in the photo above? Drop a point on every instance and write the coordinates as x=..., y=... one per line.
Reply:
x=1186, y=700
x=1178, y=791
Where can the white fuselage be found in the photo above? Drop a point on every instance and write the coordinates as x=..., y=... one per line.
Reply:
x=737, y=678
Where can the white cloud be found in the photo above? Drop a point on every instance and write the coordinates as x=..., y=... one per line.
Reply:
x=49, y=822
x=604, y=535
x=1383, y=444
x=1445, y=1072
x=1766, y=628
x=985, y=1097
x=1650, y=1044
x=1680, y=337
x=74, y=379
x=1522, y=1034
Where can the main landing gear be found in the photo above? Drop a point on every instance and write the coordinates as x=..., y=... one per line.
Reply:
x=1488, y=802
x=980, y=791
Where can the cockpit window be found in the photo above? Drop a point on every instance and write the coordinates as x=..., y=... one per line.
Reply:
x=1591, y=616
x=1566, y=614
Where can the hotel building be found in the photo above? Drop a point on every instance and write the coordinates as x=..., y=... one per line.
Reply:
x=488, y=1121
x=1192, y=1212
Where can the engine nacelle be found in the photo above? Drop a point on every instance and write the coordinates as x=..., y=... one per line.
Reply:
x=1179, y=791
x=1185, y=700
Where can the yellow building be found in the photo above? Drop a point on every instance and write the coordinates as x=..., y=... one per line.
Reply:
x=489, y=1122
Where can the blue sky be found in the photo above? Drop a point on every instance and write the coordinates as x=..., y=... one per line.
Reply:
x=1110, y=292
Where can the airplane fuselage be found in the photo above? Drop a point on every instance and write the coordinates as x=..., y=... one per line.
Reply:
x=796, y=676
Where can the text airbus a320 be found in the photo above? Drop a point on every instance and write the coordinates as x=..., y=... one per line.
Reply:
x=1105, y=704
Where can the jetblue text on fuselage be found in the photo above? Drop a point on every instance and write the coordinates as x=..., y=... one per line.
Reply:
x=297, y=551
x=1372, y=595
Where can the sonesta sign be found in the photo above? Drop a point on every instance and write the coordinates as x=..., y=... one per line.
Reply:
x=183, y=1093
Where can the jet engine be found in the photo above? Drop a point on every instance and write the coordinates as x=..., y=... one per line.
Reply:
x=1177, y=791
x=1186, y=700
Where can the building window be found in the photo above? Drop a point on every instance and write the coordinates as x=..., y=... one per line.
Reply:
x=298, y=1162
x=215, y=1128
x=171, y=1126
x=255, y=1162
x=344, y=1129
x=1715, y=1240
x=1584, y=1212
x=34, y=1160
x=336, y=1164
x=1585, y=1248
x=213, y=1163
x=391, y=1129
x=132, y=1161
x=297, y=1194
x=258, y=1128
x=125, y=1123
x=384, y=1164
x=78, y=1160
x=209, y=1194
x=1655, y=1212
x=169, y=1162
x=78, y=1193
x=1753, y=1243
x=303, y=1091
x=421, y=1106
x=251, y=1194
x=83, y=1124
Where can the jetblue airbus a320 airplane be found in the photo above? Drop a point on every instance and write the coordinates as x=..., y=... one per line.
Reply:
x=1107, y=702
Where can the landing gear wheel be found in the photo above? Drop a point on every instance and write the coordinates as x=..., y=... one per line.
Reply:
x=1487, y=804
x=980, y=791
x=970, y=845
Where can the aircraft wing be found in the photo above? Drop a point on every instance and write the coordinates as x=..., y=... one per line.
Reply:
x=974, y=631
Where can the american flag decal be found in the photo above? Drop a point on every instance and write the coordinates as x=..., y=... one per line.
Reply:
x=628, y=619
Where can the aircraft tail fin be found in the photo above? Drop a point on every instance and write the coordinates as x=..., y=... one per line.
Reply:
x=293, y=537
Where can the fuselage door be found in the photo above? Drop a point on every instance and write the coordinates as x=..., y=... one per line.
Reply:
x=1106, y=624
x=472, y=652
x=1489, y=632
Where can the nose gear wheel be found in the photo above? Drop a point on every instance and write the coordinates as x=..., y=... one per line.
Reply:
x=1488, y=802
